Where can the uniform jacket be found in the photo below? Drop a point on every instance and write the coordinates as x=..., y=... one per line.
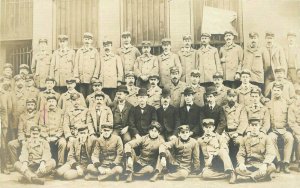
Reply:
x=42, y=98
x=87, y=64
x=65, y=101
x=139, y=122
x=191, y=118
x=236, y=118
x=62, y=65
x=244, y=94
x=288, y=90
x=185, y=153
x=165, y=62
x=146, y=65
x=74, y=117
x=5, y=107
x=51, y=122
x=258, y=149
x=169, y=120
x=253, y=61
x=35, y=151
x=128, y=57
x=208, y=63
x=111, y=70
x=40, y=67
x=19, y=97
x=294, y=118
x=188, y=62
x=176, y=92
x=105, y=116
x=279, y=116
x=221, y=95
x=26, y=121
x=108, y=151
x=217, y=113
x=234, y=59
x=263, y=113
x=121, y=119
x=148, y=149
x=154, y=96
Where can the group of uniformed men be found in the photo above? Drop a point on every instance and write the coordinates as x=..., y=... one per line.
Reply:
x=102, y=115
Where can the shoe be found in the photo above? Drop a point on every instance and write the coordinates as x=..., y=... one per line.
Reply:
x=89, y=177
x=6, y=171
x=253, y=178
x=38, y=181
x=154, y=177
x=23, y=180
x=117, y=177
x=286, y=168
x=103, y=177
x=129, y=178
x=232, y=179
x=279, y=167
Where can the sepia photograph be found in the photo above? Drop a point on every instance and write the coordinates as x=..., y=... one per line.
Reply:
x=149, y=93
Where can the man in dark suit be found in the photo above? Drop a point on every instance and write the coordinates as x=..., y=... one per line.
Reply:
x=168, y=116
x=120, y=109
x=211, y=110
x=141, y=116
x=189, y=113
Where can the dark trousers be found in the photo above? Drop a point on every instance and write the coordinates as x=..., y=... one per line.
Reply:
x=111, y=92
x=85, y=89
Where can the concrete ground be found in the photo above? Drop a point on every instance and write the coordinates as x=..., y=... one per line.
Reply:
x=279, y=181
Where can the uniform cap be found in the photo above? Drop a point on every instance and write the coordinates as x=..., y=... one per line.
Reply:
x=100, y=95
x=231, y=92
x=24, y=66
x=88, y=35
x=96, y=82
x=279, y=69
x=208, y=121
x=253, y=34
x=35, y=128
x=70, y=80
x=174, y=69
x=246, y=71
x=218, y=75
x=126, y=34
x=146, y=43
x=205, y=35
x=229, y=32
x=165, y=41
x=31, y=100
x=106, y=42
x=195, y=73
x=183, y=128
x=107, y=126
x=18, y=77
x=187, y=36
x=255, y=90
x=29, y=77
x=43, y=40
x=154, y=76
x=254, y=120
x=270, y=34
x=51, y=97
x=50, y=79
x=7, y=65
x=129, y=74
x=63, y=37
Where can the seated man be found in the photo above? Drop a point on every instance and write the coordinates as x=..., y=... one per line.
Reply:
x=79, y=156
x=184, y=156
x=107, y=156
x=216, y=154
x=256, y=154
x=145, y=163
x=35, y=159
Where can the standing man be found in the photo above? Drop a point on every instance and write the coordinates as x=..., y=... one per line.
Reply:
x=231, y=56
x=221, y=89
x=189, y=113
x=253, y=60
x=111, y=70
x=273, y=56
x=292, y=56
x=208, y=61
x=35, y=159
x=154, y=91
x=65, y=101
x=278, y=108
x=167, y=60
x=23, y=70
x=50, y=120
x=49, y=91
x=256, y=154
x=62, y=63
x=31, y=90
x=211, y=110
x=176, y=87
x=121, y=109
x=97, y=88
x=187, y=57
x=132, y=89
x=127, y=52
x=87, y=65
x=40, y=65
x=98, y=115
x=7, y=74
x=145, y=65
x=141, y=116
x=168, y=116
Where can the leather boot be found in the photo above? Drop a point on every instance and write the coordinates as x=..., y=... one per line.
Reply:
x=154, y=177
x=286, y=168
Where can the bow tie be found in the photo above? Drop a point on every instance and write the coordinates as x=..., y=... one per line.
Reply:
x=188, y=105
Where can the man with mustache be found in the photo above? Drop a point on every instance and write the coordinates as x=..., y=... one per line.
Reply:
x=253, y=60
x=292, y=56
x=128, y=52
x=31, y=90
x=23, y=70
x=121, y=109
x=154, y=91
x=27, y=119
x=175, y=86
x=208, y=61
x=236, y=123
x=168, y=116
x=65, y=101
x=50, y=121
x=49, y=91
x=98, y=115
x=145, y=65
x=231, y=56
x=221, y=89
x=132, y=89
x=187, y=56
x=167, y=60
x=87, y=65
x=7, y=74
x=111, y=70
x=62, y=63
x=40, y=65
x=273, y=56
x=97, y=87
